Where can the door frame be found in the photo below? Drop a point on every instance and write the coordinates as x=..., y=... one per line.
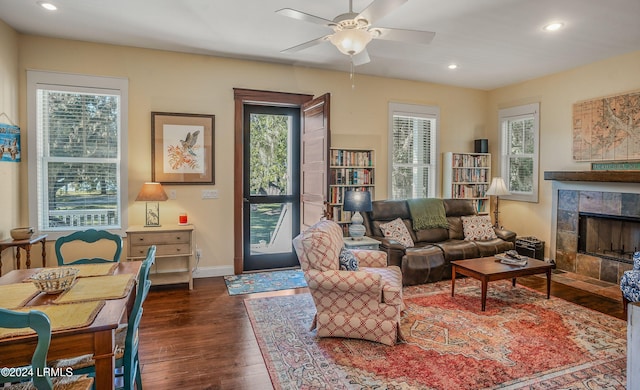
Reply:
x=256, y=97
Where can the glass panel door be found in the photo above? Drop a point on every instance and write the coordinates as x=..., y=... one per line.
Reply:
x=271, y=186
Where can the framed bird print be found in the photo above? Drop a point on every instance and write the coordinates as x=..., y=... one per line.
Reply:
x=182, y=148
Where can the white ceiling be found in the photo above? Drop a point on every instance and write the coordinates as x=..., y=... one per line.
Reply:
x=494, y=42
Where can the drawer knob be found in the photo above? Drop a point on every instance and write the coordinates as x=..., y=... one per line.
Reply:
x=177, y=238
x=178, y=250
x=141, y=239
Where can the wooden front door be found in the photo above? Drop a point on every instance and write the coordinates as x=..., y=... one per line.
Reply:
x=314, y=159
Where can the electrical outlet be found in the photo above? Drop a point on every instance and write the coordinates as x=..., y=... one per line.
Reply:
x=172, y=194
x=210, y=194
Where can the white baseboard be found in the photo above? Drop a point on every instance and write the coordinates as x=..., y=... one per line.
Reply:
x=209, y=272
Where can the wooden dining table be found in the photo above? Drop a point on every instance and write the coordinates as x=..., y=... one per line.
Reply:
x=96, y=338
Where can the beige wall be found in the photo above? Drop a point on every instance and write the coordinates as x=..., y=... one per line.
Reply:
x=557, y=94
x=9, y=171
x=174, y=82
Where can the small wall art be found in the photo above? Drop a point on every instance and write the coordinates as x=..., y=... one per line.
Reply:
x=182, y=148
x=9, y=143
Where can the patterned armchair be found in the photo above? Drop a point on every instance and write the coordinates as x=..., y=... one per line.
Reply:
x=363, y=304
x=630, y=283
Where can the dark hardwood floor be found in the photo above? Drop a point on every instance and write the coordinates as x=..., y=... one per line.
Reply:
x=202, y=339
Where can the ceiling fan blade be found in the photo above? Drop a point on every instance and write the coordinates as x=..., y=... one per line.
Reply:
x=305, y=45
x=378, y=9
x=295, y=14
x=411, y=36
x=361, y=58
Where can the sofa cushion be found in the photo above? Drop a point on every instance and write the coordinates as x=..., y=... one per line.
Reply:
x=347, y=260
x=398, y=231
x=389, y=210
x=456, y=232
x=492, y=247
x=478, y=227
x=458, y=250
x=432, y=235
x=459, y=207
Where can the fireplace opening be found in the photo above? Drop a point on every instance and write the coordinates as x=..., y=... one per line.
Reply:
x=608, y=236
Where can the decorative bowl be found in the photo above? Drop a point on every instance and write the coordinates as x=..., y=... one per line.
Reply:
x=21, y=233
x=55, y=280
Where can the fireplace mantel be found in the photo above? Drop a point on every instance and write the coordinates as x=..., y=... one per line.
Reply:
x=597, y=176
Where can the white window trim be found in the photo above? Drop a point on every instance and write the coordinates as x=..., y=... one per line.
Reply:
x=36, y=78
x=429, y=112
x=514, y=112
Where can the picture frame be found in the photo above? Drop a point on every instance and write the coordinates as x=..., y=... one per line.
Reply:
x=182, y=148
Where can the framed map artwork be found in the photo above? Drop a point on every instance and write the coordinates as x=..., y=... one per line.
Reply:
x=182, y=148
x=607, y=129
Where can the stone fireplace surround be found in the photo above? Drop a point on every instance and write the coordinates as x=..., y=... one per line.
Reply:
x=610, y=199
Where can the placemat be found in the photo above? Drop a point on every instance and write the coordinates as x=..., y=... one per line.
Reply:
x=16, y=295
x=99, y=269
x=67, y=316
x=98, y=287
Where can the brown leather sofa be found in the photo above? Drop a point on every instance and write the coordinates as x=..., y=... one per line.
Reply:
x=449, y=241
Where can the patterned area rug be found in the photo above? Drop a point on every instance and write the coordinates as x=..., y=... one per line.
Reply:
x=521, y=341
x=264, y=281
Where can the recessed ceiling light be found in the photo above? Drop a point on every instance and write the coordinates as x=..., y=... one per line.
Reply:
x=555, y=26
x=453, y=66
x=48, y=6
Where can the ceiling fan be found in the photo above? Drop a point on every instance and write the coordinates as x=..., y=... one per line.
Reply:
x=353, y=31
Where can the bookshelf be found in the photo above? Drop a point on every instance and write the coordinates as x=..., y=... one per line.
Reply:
x=349, y=169
x=467, y=176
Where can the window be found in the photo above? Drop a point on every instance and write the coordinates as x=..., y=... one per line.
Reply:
x=77, y=160
x=413, y=131
x=519, y=135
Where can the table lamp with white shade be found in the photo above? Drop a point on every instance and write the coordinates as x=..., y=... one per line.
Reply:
x=497, y=189
x=357, y=201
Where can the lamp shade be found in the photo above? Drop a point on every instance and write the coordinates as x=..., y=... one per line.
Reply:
x=152, y=192
x=351, y=41
x=357, y=201
x=497, y=187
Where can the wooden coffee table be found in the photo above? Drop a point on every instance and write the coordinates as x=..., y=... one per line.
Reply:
x=488, y=269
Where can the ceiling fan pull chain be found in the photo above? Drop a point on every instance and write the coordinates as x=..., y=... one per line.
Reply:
x=352, y=74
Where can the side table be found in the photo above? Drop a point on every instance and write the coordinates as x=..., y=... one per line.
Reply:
x=174, y=251
x=26, y=245
x=364, y=243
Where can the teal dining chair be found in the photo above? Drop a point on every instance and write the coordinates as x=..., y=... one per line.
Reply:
x=39, y=322
x=127, y=342
x=89, y=236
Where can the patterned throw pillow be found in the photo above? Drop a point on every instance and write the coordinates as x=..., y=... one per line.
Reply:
x=347, y=260
x=397, y=230
x=478, y=227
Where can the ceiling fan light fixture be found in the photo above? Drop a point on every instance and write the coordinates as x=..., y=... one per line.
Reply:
x=555, y=26
x=351, y=41
x=47, y=5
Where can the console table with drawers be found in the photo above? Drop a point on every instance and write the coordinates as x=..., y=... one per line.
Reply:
x=174, y=251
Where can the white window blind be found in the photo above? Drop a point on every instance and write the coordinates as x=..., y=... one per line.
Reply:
x=412, y=140
x=78, y=128
x=519, y=139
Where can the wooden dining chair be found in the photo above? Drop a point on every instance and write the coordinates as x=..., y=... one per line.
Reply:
x=127, y=341
x=89, y=236
x=39, y=322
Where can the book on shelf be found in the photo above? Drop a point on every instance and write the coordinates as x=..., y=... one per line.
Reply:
x=341, y=157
